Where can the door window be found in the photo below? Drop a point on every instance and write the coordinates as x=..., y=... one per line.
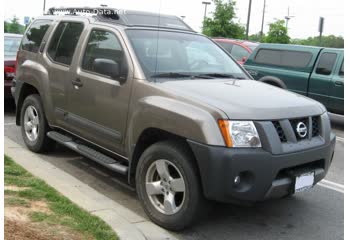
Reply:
x=103, y=45
x=33, y=37
x=326, y=63
x=239, y=52
x=341, y=72
x=64, y=42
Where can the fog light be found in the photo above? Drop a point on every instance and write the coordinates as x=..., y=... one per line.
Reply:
x=237, y=180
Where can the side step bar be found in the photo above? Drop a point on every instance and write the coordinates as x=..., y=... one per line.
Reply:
x=88, y=152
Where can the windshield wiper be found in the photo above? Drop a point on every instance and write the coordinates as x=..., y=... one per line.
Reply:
x=220, y=75
x=171, y=75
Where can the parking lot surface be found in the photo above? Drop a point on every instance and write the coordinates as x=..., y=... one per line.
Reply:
x=316, y=214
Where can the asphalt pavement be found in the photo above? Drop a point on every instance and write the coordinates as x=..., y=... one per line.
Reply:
x=315, y=214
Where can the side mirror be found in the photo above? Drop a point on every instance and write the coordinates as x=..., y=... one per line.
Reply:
x=244, y=59
x=106, y=67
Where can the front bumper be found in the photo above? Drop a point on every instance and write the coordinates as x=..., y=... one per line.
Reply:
x=263, y=175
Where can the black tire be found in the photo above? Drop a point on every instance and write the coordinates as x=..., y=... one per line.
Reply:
x=193, y=203
x=42, y=143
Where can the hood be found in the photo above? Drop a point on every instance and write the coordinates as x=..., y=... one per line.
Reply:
x=245, y=99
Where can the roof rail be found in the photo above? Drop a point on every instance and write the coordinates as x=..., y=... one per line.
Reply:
x=110, y=13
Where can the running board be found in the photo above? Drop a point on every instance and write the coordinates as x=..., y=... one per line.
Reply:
x=88, y=152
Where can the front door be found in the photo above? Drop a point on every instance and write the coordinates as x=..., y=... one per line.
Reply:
x=320, y=81
x=98, y=102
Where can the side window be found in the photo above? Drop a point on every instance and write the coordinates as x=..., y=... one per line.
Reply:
x=226, y=46
x=326, y=63
x=64, y=42
x=297, y=59
x=105, y=46
x=33, y=37
x=239, y=52
x=341, y=72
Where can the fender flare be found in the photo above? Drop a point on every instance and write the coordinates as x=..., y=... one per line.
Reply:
x=273, y=81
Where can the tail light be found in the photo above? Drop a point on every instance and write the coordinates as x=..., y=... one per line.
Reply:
x=9, y=72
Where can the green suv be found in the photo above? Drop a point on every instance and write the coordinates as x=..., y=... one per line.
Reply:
x=312, y=71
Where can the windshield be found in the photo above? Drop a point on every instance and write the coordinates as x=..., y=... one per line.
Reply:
x=161, y=52
x=11, y=46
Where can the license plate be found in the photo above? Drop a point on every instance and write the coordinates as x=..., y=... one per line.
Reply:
x=304, y=182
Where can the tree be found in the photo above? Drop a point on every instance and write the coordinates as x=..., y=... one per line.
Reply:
x=222, y=24
x=326, y=41
x=5, y=27
x=277, y=33
x=257, y=37
x=14, y=26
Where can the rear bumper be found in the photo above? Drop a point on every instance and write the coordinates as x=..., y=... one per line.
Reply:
x=263, y=175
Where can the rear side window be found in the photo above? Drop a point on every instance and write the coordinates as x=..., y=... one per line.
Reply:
x=239, y=52
x=326, y=63
x=64, y=42
x=102, y=44
x=283, y=58
x=33, y=37
x=226, y=46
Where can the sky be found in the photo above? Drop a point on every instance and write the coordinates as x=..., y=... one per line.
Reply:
x=304, y=23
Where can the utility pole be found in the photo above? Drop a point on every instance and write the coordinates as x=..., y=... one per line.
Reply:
x=262, y=22
x=44, y=7
x=205, y=8
x=320, y=29
x=288, y=17
x=248, y=20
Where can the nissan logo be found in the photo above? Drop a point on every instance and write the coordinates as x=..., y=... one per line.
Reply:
x=301, y=129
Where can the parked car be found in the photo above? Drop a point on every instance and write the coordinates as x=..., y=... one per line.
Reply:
x=11, y=45
x=239, y=49
x=312, y=71
x=146, y=96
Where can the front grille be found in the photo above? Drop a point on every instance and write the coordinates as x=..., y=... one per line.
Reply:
x=280, y=131
x=315, y=126
x=314, y=131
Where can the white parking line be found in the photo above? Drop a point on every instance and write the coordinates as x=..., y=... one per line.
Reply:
x=333, y=183
x=321, y=184
x=340, y=139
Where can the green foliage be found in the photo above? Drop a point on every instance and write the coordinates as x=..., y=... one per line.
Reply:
x=277, y=33
x=222, y=24
x=257, y=37
x=330, y=41
x=62, y=210
x=14, y=26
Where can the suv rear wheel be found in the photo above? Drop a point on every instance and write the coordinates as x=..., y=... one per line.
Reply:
x=168, y=185
x=34, y=126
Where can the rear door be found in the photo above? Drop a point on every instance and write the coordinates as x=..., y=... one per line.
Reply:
x=321, y=79
x=59, y=58
x=98, y=104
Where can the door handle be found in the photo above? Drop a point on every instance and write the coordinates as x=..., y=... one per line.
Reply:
x=339, y=83
x=77, y=82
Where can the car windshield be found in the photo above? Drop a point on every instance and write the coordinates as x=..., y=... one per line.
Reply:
x=178, y=54
x=11, y=46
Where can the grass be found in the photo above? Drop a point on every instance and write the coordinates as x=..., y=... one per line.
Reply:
x=62, y=210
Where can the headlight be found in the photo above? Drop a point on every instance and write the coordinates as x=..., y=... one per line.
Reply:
x=239, y=133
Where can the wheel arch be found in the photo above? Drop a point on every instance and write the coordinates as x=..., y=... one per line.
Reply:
x=274, y=81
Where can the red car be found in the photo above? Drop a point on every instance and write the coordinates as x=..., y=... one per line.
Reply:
x=239, y=49
x=12, y=42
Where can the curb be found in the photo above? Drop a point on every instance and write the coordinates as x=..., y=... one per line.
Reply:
x=127, y=224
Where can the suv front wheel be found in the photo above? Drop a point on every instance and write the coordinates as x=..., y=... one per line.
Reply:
x=168, y=185
x=34, y=126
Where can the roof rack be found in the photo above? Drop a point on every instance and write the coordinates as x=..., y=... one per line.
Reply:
x=110, y=13
x=126, y=17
